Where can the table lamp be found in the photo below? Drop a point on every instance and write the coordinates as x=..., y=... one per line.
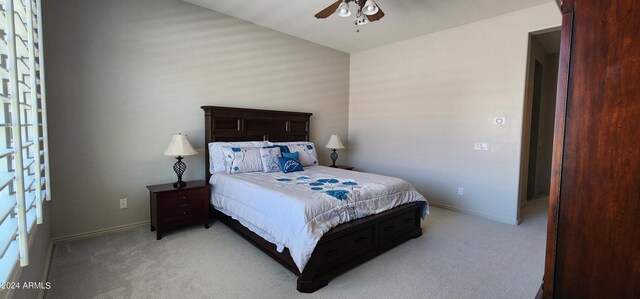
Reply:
x=334, y=143
x=179, y=147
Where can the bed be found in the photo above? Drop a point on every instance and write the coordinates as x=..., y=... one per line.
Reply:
x=337, y=249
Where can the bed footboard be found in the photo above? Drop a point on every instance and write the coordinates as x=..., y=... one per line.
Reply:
x=351, y=244
x=345, y=246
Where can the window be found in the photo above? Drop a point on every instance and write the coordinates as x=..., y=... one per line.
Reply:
x=24, y=159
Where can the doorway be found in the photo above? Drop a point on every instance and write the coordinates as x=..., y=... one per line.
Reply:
x=539, y=118
x=537, y=172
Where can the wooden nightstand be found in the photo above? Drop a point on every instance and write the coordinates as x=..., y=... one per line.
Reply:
x=345, y=167
x=172, y=207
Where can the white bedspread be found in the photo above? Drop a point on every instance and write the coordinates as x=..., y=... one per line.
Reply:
x=294, y=210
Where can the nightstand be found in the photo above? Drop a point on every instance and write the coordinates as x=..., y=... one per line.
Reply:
x=345, y=167
x=172, y=207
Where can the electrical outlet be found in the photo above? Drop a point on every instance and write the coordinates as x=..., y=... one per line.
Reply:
x=123, y=203
x=460, y=191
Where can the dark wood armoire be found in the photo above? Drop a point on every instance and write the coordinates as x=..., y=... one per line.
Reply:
x=593, y=241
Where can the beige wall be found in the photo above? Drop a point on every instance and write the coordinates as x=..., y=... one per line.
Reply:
x=417, y=107
x=123, y=76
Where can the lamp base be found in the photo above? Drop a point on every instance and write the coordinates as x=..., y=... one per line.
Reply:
x=334, y=157
x=179, y=168
x=179, y=184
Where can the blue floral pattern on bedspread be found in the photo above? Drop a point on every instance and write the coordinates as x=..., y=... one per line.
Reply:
x=338, y=194
x=328, y=186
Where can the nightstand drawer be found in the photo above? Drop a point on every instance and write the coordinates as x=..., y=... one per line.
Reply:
x=182, y=211
x=177, y=198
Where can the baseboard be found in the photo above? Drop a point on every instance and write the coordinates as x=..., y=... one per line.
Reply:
x=100, y=232
x=489, y=217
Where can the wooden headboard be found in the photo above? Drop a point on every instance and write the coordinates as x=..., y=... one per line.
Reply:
x=239, y=124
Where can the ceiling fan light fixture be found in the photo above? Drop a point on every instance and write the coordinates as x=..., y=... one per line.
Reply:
x=343, y=9
x=370, y=8
x=360, y=18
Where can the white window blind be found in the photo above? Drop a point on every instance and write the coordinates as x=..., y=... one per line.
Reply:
x=24, y=159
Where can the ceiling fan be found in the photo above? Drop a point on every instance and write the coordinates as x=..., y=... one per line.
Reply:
x=368, y=11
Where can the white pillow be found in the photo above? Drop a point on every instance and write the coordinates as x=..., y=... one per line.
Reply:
x=269, y=157
x=216, y=157
x=306, y=151
x=242, y=159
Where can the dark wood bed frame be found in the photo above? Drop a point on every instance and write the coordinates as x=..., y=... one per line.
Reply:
x=343, y=247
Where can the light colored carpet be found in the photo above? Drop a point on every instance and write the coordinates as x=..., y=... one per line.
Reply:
x=458, y=256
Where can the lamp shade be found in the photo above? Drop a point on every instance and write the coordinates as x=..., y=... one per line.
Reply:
x=180, y=146
x=334, y=142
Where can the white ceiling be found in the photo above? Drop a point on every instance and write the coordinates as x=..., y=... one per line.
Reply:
x=404, y=19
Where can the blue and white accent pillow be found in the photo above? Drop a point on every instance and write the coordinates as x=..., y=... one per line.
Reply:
x=269, y=157
x=307, y=150
x=290, y=165
x=294, y=155
x=242, y=159
x=283, y=148
x=217, y=159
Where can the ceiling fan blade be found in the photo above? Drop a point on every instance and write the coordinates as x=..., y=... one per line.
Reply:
x=329, y=10
x=376, y=16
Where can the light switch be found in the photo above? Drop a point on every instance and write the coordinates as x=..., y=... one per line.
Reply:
x=500, y=120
